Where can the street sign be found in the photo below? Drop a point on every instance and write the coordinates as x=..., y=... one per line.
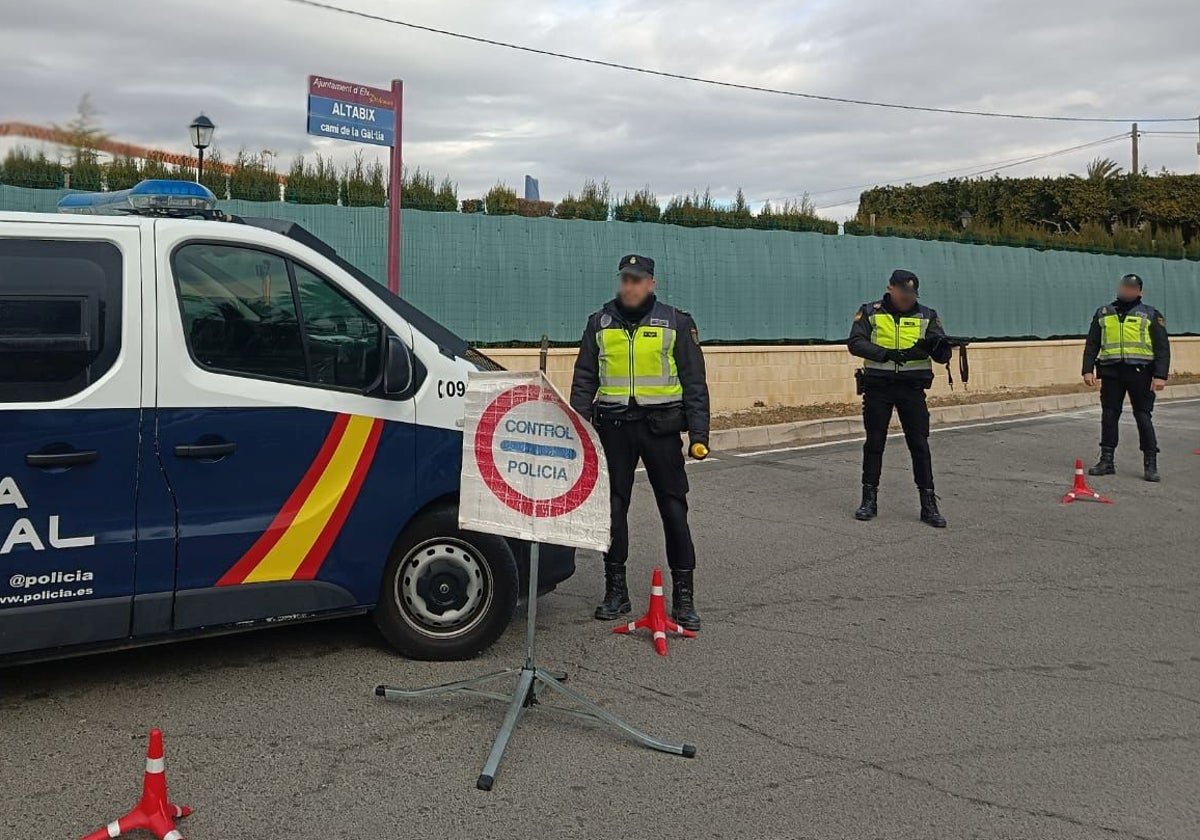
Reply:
x=351, y=111
x=532, y=468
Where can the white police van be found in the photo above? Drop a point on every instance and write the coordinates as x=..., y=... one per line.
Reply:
x=210, y=424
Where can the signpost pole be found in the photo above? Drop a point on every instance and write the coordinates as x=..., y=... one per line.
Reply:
x=395, y=195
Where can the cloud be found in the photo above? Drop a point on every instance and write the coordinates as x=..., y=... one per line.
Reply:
x=480, y=113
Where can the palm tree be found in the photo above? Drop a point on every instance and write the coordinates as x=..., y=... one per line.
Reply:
x=1103, y=169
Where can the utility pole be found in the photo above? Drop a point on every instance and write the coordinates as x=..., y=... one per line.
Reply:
x=1198, y=144
x=1134, y=137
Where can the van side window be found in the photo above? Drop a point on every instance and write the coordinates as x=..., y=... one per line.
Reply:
x=60, y=316
x=344, y=342
x=239, y=313
x=255, y=313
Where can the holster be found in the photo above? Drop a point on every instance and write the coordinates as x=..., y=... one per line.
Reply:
x=858, y=382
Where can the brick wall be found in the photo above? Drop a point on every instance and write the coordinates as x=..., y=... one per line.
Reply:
x=738, y=377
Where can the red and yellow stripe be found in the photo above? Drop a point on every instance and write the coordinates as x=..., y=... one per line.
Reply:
x=297, y=541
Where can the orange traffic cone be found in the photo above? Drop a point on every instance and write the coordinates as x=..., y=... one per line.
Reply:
x=1081, y=490
x=656, y=618
x=153, y=812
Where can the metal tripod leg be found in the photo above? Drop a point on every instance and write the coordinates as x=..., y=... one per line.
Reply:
x=525, y=694
x=466, y=686
x=516, y=708
x=595, y=712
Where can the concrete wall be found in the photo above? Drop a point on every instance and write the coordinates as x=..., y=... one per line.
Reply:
x=739, y=377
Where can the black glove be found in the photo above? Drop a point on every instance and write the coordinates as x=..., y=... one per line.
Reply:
x=922, y=349
x=930, y=346
x=900, y=357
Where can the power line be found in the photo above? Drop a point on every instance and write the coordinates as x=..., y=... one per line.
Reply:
x=990, y=168
x=725, y=84
x=908, y=178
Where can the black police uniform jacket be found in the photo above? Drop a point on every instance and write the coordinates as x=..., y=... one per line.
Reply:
x=689, y=363
x=859, y=343
x=1158, y=340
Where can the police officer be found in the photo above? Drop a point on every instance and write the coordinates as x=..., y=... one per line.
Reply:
x=898, y=340
x=640, y=378
x=1127, y=344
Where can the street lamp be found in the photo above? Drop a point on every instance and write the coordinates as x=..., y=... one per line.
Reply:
x=202, y=129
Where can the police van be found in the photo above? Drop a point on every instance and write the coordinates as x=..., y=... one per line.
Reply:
x=209, y=424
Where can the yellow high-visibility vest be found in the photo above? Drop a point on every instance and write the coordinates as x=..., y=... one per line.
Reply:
x=899, y=334
x=639, y=364
x=1128, y=339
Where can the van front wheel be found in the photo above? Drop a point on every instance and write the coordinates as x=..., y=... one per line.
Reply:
x=446, y=593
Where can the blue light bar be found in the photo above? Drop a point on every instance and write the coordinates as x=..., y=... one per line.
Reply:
x=153, y=197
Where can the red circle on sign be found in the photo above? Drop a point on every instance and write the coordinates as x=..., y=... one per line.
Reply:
x=485, y=434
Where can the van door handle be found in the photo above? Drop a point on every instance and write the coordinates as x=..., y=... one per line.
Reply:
x=75, y=458
x=205, y=450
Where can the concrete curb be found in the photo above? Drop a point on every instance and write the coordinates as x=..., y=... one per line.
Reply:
x=836, y=428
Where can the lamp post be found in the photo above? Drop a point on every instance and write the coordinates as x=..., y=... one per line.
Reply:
x=964, y=219
x=202, y=129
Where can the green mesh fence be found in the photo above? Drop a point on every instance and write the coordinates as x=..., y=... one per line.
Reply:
x=500, y=279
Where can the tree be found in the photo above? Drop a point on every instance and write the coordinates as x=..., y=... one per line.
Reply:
x=83, y=133
x=83, y=137
x=501, y=200
x=1102, y=169
x=253, y=179
x=642, y=206
x=592, y=203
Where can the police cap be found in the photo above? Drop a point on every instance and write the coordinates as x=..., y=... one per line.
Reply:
x=636, y=265
x=905, y=280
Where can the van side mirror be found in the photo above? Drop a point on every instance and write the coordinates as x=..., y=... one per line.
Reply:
x=397, y=367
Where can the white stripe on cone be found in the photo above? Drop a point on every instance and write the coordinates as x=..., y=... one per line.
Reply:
x=656, y=590
x=172, y=835
x=114, y=829
x=658, y=634
x=155, y=765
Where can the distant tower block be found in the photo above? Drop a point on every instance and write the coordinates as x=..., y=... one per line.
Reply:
x=531, y=189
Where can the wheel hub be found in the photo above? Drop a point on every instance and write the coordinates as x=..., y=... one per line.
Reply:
x=443, y=588
x=446, y=589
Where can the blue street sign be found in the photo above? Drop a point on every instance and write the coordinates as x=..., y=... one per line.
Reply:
x=346, y=130
x=351, y=112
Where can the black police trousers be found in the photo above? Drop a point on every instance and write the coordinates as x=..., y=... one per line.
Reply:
x=625, y=442
x=1115, y=382
x=908, y=399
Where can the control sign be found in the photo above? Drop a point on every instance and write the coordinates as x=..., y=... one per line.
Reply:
x=533, y=469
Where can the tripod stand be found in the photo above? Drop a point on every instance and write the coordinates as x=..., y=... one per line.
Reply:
x=525, y=696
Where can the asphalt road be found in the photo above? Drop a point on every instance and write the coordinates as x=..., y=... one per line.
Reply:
x=1031, y=672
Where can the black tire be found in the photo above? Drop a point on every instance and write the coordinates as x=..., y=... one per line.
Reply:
x=446, y=594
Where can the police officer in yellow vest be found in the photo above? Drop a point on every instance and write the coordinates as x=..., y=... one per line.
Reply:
x=1127, y=344
x=898, y=341
x=640, y=378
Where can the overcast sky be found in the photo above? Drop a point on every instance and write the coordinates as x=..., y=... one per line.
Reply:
x=480, y=113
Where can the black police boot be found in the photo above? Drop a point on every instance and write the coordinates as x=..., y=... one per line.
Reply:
x=1150, y=460
x=930, y=514
x=869, y=508
x=616, y=593
x=683, y=601
x=1105, y=465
